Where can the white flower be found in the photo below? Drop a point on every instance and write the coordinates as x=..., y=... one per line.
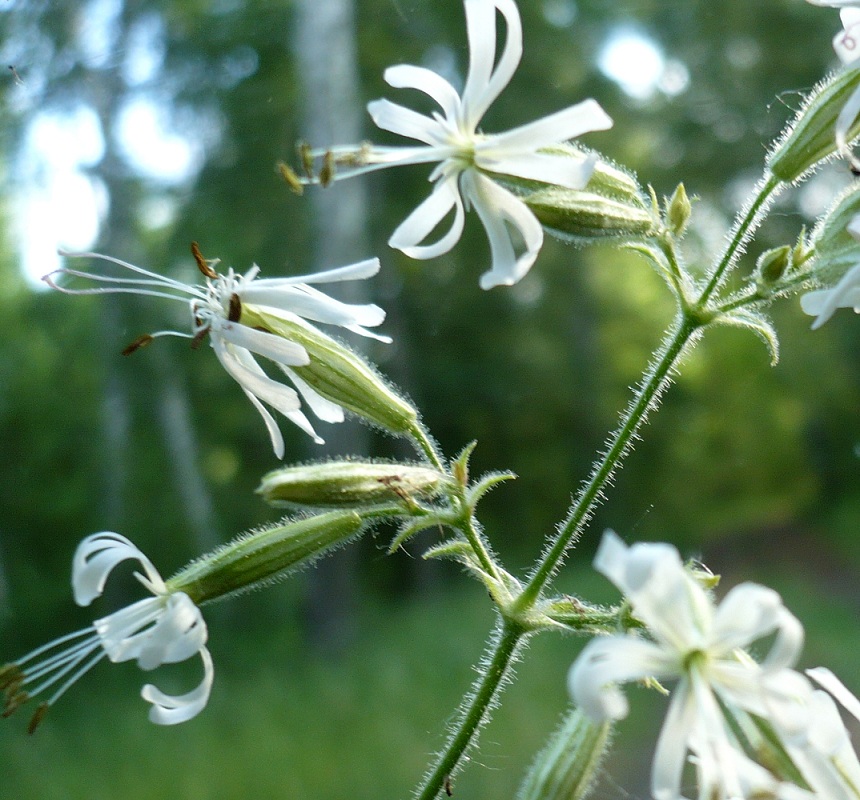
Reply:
x=216, y=308
x=823, y=303
x=467, y=156
x=163, y=629
x=701, y=646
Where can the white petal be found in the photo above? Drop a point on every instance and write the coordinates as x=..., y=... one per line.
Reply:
x=826, y=679
x=603, y=664
x=179, y=633
x=405, y=76
x=749, y=612
x=325, y=409
x=268, y=345
x=310, y=303
x=406, y=122
x=299, y=419
x=271, y=424
x=95, y=558
x=240, y=365
x=565, y=171
x=825, y=302
x=484, y=83
x=419, y=224
x=558, y=127
x=171, y=710
x=846, y=43
x=671, y=751
x=351, y=272
x=846, y=119
x=498, y=208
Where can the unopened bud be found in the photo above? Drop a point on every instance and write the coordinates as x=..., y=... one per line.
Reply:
x=339, y=484
x=263, y=556
x=811, y=137
x=678, y=210
x=337, y=373
x=567, y=766
x=772, y=265
x=583, y=216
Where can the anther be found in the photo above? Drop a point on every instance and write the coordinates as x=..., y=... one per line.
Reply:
x=141, y=341
x=37, y=718
x=202, y=264
x=198, y=338
x=235, y=312
x=306, y=157
x=290, y=178
x=327, y=171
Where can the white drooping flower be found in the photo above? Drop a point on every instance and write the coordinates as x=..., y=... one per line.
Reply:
x=702, y=647
x=468, y=158
x=163, y=629
x=216, y=310
x=823, y=303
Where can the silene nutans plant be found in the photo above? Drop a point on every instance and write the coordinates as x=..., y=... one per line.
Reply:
x=133, y=109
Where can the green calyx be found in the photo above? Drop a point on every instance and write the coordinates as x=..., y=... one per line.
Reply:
x=811, y=138
x=260, y=557
x=338, y=374
x=350, y=484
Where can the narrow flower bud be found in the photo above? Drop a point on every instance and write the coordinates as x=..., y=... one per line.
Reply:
x=772, y=265
x=263, y=556
x=336, y=373
x=678, y=210
x=583, y=216
x=567, y=766
x=339, y=484
x=811, y=138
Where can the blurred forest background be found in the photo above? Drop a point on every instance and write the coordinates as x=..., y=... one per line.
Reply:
x=136, y=126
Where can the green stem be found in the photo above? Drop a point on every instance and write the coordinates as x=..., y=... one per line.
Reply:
x=649, y=391
x=426, y=445
x=744, y=228
x=474, y=711
x=470, y=531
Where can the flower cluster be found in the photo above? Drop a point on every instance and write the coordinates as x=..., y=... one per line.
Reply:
x=217, y=308
x=163, y=629
x=724, y=700
x=467, y=157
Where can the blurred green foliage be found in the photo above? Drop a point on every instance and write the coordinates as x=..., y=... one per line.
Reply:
x=741, y=460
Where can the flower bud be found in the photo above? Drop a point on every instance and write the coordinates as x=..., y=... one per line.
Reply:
x=567, y=766
x=678, y=210
x=263, y=556
x=339, y=484
x=337, y=373
x=812, y=136
x=772, y=265
x=583, y=216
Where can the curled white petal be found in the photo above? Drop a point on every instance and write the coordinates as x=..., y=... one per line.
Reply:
x=263, y=344
x=406, y=76
x=95, y=558
x=173, y=710
x=823, y=303
x=421, y=222
x=499, y=211
x=404, y=121
x=828, y=680
x=606, y=662
x=568, y=123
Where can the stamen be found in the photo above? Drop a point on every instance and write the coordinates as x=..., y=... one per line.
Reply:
x=198, y=338
x=290, y=178
x=327, y=171
x=202, y=264
x=235, y=312
x=37, y=717
x=306, y=156
x=137, y=344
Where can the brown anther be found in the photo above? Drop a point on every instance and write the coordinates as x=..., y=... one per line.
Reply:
x=13, y=703
x=202, y=264
x=306, y=157
x=9, y=675
x=327, y=172
x=198, y=338
x=37, y=718
x=449, y=789
x=141, y=341
x=290, y=178
x=235, y=312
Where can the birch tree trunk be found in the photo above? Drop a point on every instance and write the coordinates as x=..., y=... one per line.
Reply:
x=326, y=64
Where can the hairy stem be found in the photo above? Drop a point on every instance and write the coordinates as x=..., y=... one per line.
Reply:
x=474, y=710
x=649, y=391
x=742, y=231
